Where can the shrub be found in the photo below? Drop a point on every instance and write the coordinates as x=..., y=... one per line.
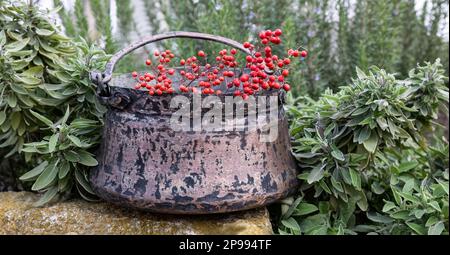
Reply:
x=365, y=163
x=50, y=115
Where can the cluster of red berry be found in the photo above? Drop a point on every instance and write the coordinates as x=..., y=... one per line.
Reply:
x=267, y=70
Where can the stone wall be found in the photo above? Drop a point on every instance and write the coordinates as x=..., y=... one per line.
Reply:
x=18, y=216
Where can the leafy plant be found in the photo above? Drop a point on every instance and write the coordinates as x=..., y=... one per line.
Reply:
x=50, y=114
x=364, y=158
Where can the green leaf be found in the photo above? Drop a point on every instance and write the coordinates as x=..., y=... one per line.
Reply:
x=435, y=205
x=2, y=38
x=16, y=117
x=81, y=179
x=382, y=123
x=376, y=217
x=441, y=183
x=431, y=221
x=388, y=206
x=337, y=154
x=75, y=140
x=18, y=89
x=34, y=173
x=66, y=116
x=360, y=111
x=44, y=32
x=305, y=208
x=47, y=177
x=401, y=215
x=371, y=143
x=47, y=197
x=12, y=100
x=406, y=166
x=292, y=208
x=2, y=117
x=356, y=178
x=42, y=118
x=71, y=156
x=18, y=45
x=316, y=174
x=52, y=142
x=291, y=223
x=419, y=229
x=376, y=188
x=87, y=159
x=436, y=229
x=64, y=170
x=337, y=185
x=361, y=75
x=364, y=134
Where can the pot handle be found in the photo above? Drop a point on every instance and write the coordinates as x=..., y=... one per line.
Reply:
x=101, y=79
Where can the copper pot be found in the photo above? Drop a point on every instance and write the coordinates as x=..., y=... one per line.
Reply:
x=145, y=164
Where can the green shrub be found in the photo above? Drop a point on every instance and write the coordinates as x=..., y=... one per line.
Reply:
x=49, y=114
x=365, y=163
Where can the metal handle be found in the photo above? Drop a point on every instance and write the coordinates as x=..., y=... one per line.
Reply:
x=102, y=79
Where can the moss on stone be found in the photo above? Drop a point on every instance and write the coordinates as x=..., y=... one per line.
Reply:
x=18, y=216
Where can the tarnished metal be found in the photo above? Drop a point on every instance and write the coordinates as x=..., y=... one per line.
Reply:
x=144, y=163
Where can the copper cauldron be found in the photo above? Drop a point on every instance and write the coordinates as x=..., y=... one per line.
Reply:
x=145, y=164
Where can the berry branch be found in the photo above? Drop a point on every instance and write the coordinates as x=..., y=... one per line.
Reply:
x=267, y=71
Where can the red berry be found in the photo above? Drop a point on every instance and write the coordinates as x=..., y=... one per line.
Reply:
x=245, y=96
x=286, y=61
x=277, y=32
x=286, y=87
x=237, y=93
x=201, y=54
x=262, y=35
x=244, y=77
x=148, y=62
x=158, y=92
x=304, y=53
x=285, y=73
x=295, y=53
x=134, y=74
x=233, y=51
x=247, y=45
x=156, y=53
x=275, y=40
x=171, y=71
x=268, y=33
x=249, y=59
x=182, y=62
x=264, y=41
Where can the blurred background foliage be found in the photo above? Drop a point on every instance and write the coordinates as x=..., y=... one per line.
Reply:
x=339, y=34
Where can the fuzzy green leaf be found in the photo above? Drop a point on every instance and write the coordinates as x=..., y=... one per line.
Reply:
x=35, y=172
x=47, y=177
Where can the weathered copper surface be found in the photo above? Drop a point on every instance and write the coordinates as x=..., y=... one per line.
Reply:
x=144, y=163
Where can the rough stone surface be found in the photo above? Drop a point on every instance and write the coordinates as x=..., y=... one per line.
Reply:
x=18, y=216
